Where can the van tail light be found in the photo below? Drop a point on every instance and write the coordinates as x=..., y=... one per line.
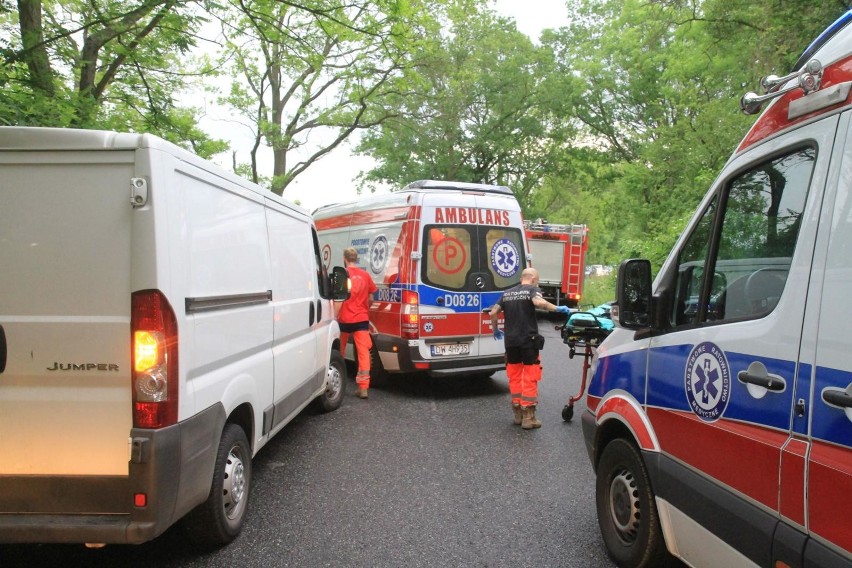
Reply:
x=410, y=315
x=154, y=373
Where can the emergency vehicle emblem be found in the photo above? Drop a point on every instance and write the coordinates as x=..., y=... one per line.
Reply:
x=427, y=327
x=378, y=254
x=505, y=259
x=708, y=381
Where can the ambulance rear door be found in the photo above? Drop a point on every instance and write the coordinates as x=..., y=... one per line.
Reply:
x=473, y=249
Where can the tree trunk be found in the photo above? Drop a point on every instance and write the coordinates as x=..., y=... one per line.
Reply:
x=34, y=49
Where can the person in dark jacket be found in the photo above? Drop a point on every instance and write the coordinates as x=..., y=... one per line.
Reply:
x=523, y=342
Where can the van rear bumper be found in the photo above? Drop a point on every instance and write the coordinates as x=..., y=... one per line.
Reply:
x=172, y=467
x=398, y=356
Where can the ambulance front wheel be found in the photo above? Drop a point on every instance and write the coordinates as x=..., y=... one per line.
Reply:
x=219, y=520
x=627, y=512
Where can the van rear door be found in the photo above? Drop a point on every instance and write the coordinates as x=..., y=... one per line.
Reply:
x=65, y=397
x=471, y=254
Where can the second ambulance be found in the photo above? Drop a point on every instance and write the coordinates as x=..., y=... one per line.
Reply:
x=439, y=252
x=719, y=417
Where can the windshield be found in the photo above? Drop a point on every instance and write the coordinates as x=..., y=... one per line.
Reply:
x=472, y=258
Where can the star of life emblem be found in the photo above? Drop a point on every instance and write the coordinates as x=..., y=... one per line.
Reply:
x=378, y=254
x=505, y=259
x=707, y=381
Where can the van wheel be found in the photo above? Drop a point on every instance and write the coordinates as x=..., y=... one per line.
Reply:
x=335, y=383
x=627, y=512
x=219, y=520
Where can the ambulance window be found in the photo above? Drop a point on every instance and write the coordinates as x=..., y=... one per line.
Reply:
x=690, y=276
x=505, y=256
x=759, y=227
x=762, y=218
x=448, y=256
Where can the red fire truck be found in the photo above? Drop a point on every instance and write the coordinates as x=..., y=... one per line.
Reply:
x=559, y=254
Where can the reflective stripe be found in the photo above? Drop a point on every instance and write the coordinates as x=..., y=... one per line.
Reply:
x=529, y=400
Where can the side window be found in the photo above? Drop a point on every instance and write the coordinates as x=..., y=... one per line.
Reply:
x=755, y=240
x=690, y=274
x=323, y=284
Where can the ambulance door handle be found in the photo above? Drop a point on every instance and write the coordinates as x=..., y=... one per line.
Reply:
x=2, y=349
x=837, y=397
x=311, y=314
x=319, y=310
x=765, y=380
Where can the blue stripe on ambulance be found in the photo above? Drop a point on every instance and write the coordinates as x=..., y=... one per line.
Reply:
x=831, y=423
x=626, y=371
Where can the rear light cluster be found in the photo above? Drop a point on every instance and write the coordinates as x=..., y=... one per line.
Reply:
x=410, y=315
x=155, y=363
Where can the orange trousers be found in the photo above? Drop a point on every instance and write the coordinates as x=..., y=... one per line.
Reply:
x=362, y=355
x=523, y=383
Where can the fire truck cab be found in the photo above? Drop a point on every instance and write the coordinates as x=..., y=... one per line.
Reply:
x=719, y=418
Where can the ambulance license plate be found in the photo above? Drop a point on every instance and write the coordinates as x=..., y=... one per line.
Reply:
x=450, y=349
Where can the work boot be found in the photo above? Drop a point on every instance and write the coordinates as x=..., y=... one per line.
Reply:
x=362, y=392
x=529, y=420
x=519, y=415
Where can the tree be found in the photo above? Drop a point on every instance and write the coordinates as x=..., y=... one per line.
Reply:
x=307, y=76
x=656, y=87
x=112, y=64
x=479, y=112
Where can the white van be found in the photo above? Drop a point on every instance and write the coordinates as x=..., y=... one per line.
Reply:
x=439, y=252
x=719, y=414
x=159, y=323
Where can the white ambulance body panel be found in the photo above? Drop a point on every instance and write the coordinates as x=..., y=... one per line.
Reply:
x=103, y=235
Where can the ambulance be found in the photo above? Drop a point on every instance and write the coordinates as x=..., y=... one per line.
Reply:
x=440, y=253
x=719, y=418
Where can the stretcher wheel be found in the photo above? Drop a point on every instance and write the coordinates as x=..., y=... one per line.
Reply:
x=567, y=413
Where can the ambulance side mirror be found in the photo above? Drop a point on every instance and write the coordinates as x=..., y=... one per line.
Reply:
x=633, y=293
x=339, y=283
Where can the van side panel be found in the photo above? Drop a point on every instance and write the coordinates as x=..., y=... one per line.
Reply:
x=296, y=370
x=222, y=265
x=67, y=380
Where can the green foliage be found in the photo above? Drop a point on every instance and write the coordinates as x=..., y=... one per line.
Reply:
x=306, y=76
x=475, y=110
x=598, y=290
x=656, y=87
x=112, y=64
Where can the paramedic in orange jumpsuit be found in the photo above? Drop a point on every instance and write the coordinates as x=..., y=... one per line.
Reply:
x=523, y=363
x=354, y=318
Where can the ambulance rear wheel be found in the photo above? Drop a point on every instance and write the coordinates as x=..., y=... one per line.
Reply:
x=627, y=511
x=219, y=520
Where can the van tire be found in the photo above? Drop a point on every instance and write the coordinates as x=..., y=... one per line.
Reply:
x=627, y=511
x=332, y=397
x=219, y=520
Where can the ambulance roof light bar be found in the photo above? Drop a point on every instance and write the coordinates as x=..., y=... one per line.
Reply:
x=808, y=79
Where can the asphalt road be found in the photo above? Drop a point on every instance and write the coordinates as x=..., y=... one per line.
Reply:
x=426, y=472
